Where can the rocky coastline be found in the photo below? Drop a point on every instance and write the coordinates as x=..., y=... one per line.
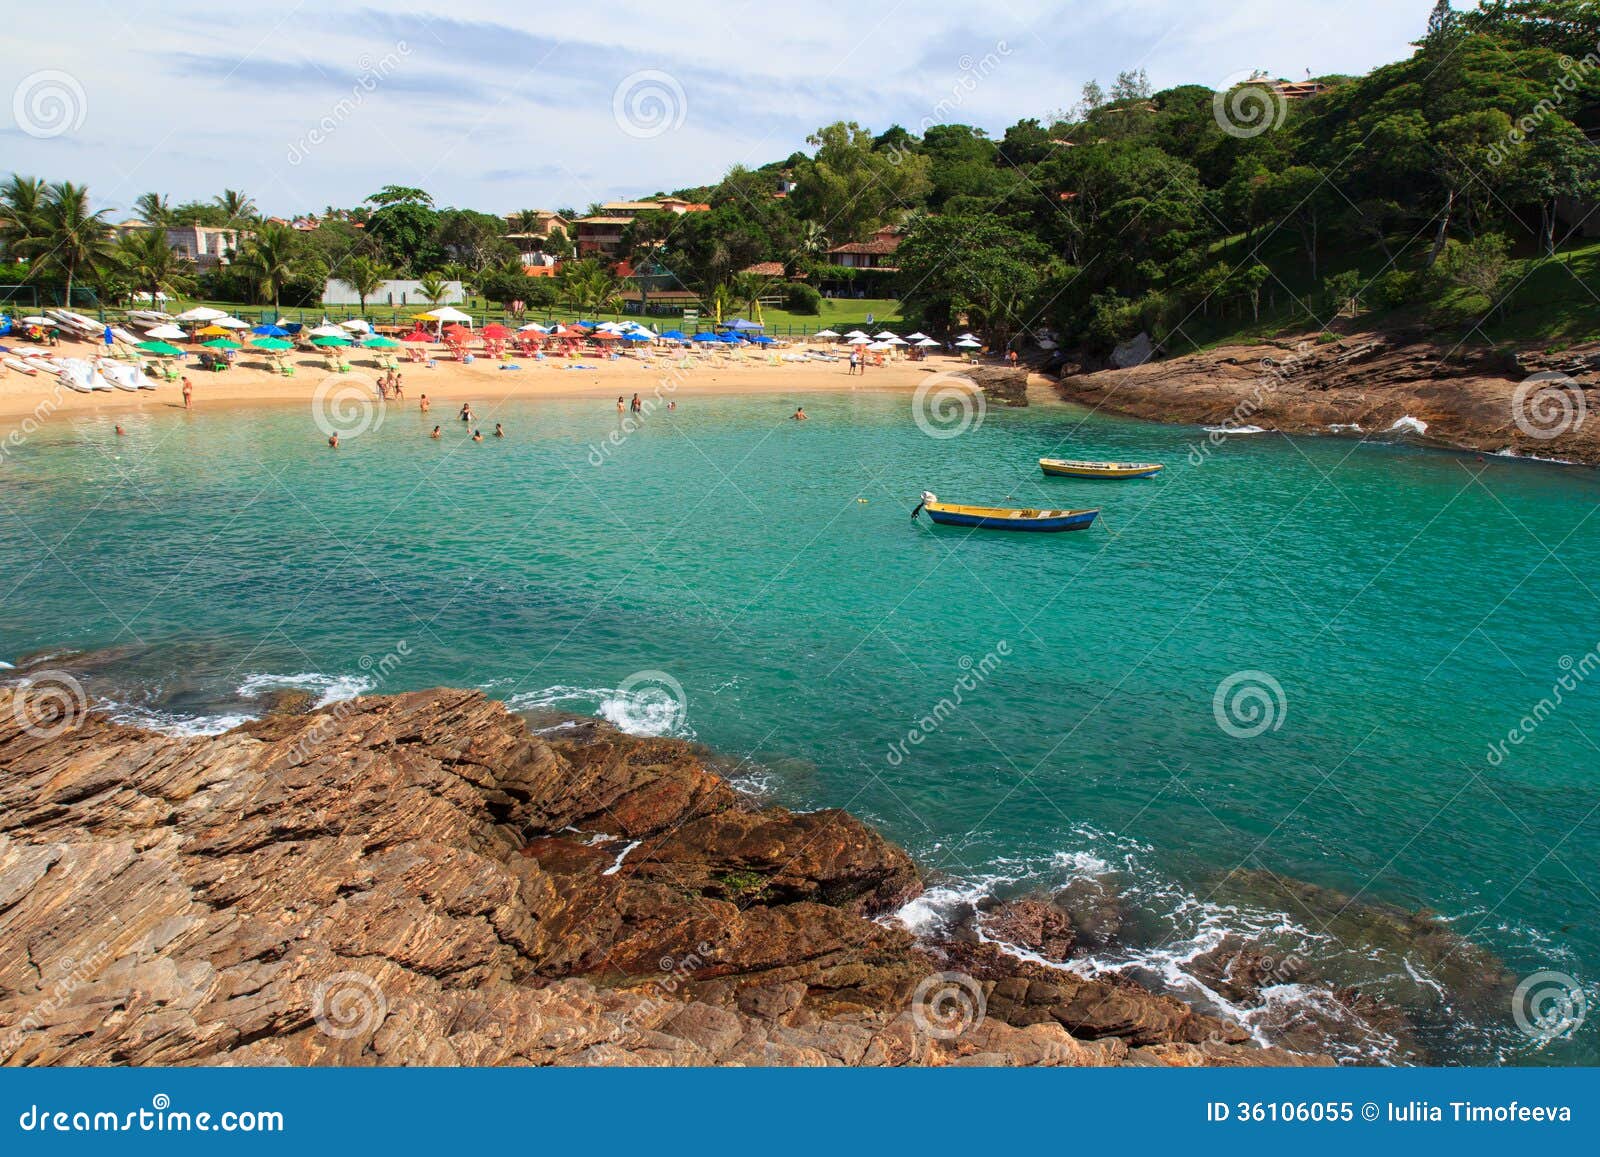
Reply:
x=1361, y=385
x=423, y=879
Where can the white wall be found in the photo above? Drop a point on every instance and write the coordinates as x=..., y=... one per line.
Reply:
x=391, y=294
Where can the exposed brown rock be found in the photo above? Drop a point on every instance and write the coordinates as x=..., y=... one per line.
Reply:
x=1464, y=394
x=421, y=880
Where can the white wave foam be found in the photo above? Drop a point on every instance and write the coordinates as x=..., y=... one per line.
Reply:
x=1511, y=452
x=4, y=666
x=1409, y=425
x=645, y=711
x=169, y=723
x=1234, y=429
x=333, y=688
x=1342, y=426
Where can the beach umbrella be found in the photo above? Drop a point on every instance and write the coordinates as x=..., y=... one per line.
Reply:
x=675, y=335
x=326, y=330
x=166, y=333
x=969, y=344
x=927, y=343
x=604, y=335
x=267, y=331
x=967, y=337
x=417, y=337
x=729, y=338
x=330, y=341
x=880, y=346
x=222, y=343
x=159, y=349
x=763, y=339
x=534, y=327
x=636, y=337
x=862, y=340
x=214, y=331
x=381, y=343
x=356, y=325
x=449, y=313
x=200, y=313
x=495, y=330
x=918, y=336
x=273, y=344
x=741, y=324
x=231, y=323
x=825, y=333
x=896, y=341
x=884, y=336
x=855, y=333
x=705, y=337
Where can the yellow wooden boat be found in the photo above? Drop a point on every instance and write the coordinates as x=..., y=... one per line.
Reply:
x=1003, y=517
x=1067, y=468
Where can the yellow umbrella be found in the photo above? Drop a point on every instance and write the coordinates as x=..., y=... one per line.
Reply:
x=216, y=331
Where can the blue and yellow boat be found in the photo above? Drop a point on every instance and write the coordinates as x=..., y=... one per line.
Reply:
x=1004, y=517
x=1067, y=468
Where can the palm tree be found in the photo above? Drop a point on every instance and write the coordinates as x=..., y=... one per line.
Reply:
x=238, y=207
x=271, y=259
x=21, y=210
x=747, y=290
x=153, y=209
x=364, y=275
x=72, y=237
x=722, y=300
x=152, y=264
x=527, y=221
x=432, y=287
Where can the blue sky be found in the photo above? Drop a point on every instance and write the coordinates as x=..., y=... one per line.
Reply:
x=502, y=107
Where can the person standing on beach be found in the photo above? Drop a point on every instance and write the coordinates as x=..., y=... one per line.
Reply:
x=188, y=393
x=400, y=386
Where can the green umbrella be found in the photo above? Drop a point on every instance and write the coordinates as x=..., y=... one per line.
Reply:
x=160, y=348
x=382, y=343
x=330, y=342
x=275, y=344
x=222, y=343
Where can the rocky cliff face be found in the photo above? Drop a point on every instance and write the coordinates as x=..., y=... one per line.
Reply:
x=1362, y=384
x=422, y=880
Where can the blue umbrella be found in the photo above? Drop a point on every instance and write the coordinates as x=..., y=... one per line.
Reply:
x=705, y=337
x=742, y=323
x=636, y=337
x=270, y=331
x=675, y=335
x=763, y=339
x=728, y=339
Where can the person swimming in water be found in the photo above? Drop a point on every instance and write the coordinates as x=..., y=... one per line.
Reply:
x=477, y=435
x=499, y=432
x=333, y=441
x=799, y=414
x=424, y=403
x=636, y=405
x=621, y=404
x=120, y=431
x=466, y=411
x=436, y=433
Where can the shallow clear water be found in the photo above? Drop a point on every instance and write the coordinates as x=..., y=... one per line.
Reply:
x=1411, y=605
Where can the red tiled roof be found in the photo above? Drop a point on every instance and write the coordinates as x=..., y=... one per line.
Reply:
x=765, y=269
x=881, y=246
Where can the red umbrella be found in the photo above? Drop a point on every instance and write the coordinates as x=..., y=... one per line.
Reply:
x=495, y=330
x=457, y=331
x=604, y=335
x=417, y=336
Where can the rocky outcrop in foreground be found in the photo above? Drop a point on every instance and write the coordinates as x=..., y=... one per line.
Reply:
x=422, y=880
x=1362, y=384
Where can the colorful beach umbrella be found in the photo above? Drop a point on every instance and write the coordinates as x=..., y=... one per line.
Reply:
x=381, y=343
x=273, y=344
x=159, y=349
x=214, y=331
x=417, y=337
x=221, y=343
x=495, y=330
x=270, y=331
x=329, y=341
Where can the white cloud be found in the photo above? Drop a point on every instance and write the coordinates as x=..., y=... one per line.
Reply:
x=503, y=108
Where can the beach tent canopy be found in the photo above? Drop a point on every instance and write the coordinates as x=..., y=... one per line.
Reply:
x=267, y=331
x=166, y=333
x=273, y=344
x=636, y=337
x=880, y=345
x=604, y=335
x=160, y=349
x=214, y=331
x=825, y=333
x=448, y=313
x=742, y=324
x=200, y=313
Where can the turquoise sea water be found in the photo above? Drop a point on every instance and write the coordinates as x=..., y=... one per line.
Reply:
x=1389, y=612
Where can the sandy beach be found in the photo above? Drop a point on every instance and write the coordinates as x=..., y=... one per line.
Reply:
x=250, y=382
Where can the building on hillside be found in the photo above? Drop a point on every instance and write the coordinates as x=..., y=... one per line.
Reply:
x=531, y=241
x=772, y=269
x=1297, y=89
x=601, y=235
x=208, y=246
x=875, y=253
x=391, y=294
